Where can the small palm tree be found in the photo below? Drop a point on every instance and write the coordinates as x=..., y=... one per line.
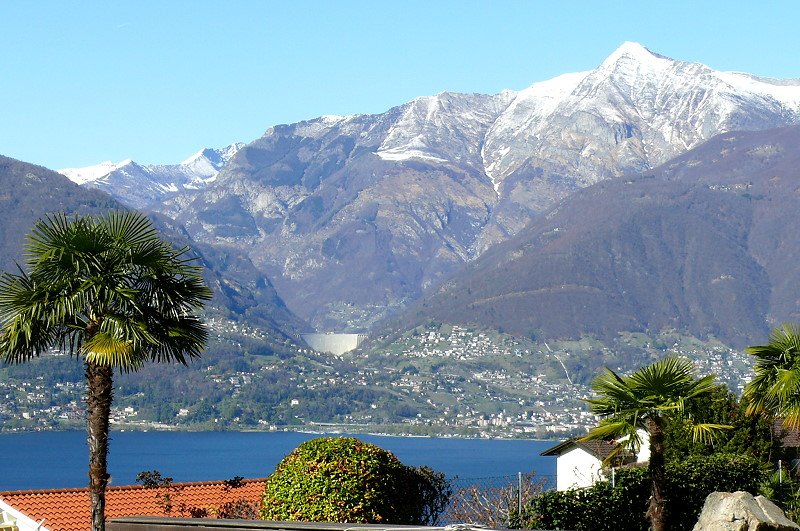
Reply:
x=775, y=389
x=643, y=401
x=111, y=292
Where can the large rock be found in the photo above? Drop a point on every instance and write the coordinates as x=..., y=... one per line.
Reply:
x=740, y=511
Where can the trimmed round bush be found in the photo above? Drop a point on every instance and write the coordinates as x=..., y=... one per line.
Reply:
x=342, y=479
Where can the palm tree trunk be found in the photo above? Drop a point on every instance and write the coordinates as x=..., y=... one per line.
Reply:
x=655, y=512
x=100, y=385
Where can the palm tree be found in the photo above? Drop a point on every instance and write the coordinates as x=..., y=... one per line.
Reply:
x=111, y=292
x=643, y=401
x=775, y=389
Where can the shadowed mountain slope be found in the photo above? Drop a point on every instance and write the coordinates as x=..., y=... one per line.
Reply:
x=707, y=244
x=30, y=192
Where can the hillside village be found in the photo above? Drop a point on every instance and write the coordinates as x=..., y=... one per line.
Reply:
x=447, y=380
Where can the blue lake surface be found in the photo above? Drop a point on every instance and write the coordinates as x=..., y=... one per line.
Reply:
x=46, y=460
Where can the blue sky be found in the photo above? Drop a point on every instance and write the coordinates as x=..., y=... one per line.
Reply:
x=82, y=82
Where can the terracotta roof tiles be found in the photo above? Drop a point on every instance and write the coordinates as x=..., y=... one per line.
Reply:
x=69, y=510
x=790, y=438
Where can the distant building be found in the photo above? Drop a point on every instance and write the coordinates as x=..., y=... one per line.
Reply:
x=333, y=343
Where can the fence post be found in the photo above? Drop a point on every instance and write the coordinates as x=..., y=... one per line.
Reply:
x=780, y=472
x=613, y=478
x=519, y=494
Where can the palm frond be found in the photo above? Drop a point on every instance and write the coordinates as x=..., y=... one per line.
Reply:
x=608, y=430
x=114, y=273
x=613, y=394
x=108, y=351
x=623, y=432
x=132, y=229
x=706, y=433
x=784, y=384
x=628, y=403
x=775, y=389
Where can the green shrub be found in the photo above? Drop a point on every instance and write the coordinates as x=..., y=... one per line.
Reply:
x=784, y=490
x=601, y=507
x=690, y=481
x=342, y=479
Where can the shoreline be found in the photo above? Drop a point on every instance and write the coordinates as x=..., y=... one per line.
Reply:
x=338, y=430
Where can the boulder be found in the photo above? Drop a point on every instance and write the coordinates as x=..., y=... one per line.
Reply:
x=740, y=511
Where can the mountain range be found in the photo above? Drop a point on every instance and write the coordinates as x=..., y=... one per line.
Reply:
x=241, y=291
x=706, y=244
x=354, y=218
x=139, y=186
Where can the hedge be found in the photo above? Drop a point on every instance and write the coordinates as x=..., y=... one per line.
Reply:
x=622, y=507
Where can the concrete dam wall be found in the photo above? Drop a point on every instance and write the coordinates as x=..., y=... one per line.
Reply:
x=333, y=343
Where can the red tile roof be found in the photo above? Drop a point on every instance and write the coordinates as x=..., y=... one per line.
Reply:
x=790, y=438
x=68, y=509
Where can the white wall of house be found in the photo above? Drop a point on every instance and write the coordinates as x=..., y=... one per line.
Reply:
x=577, y=468
x=10, y=517
x=644, y=450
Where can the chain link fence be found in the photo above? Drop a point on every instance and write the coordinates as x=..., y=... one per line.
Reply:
x=493, y=502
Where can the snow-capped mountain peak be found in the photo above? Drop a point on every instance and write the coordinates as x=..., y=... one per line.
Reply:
x=435, y=181
x=217, y=157
x=142, y=185
x=89, y=174
x=207, y=163
x=635, y=52
x=635, y=110
x=197, y=156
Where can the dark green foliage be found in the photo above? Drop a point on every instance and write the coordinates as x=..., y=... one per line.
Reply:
x=240, y=509
x=152, y=479
x=165, y=491
x=692, y=480
x=168, y=498
x=749, y=436
x=598, y=508
x=784, y=490
x=342, y=479
x=603, y=507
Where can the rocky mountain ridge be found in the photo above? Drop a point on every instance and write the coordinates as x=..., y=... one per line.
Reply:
x=139, y=186
x=354, y=217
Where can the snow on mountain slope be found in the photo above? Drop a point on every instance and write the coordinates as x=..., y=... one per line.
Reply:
x=92, y=173
x=527, y=109
x=443, y=128
x=140, y=186
x=636, y=110
x=354, y=216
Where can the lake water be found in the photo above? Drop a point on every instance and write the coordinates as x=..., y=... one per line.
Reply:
x=44, y=460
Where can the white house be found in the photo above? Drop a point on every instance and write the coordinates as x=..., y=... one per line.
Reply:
x=580, y=463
